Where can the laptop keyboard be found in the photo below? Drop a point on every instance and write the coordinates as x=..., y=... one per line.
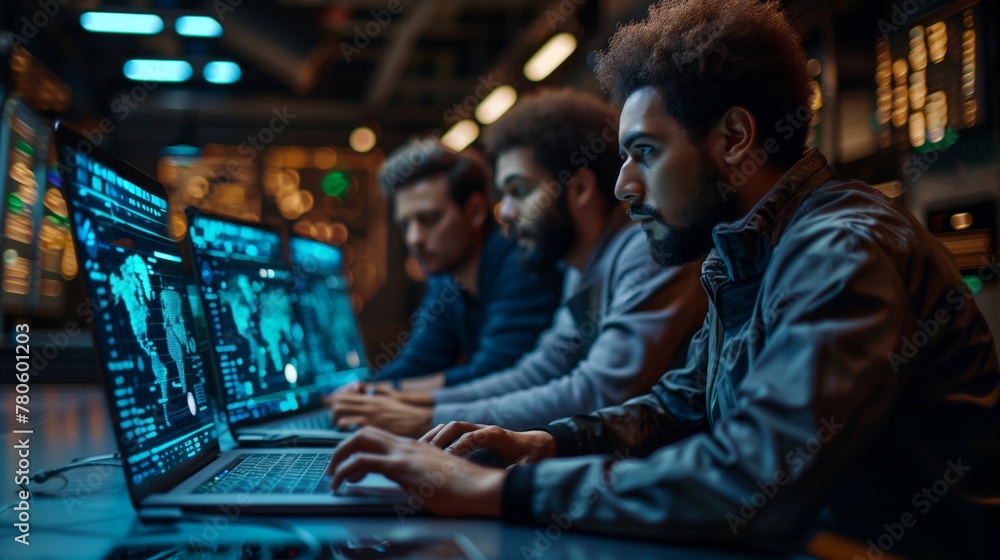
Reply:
x=284, y=473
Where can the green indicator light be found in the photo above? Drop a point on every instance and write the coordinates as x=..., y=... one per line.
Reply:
x=336, y=183
x=974, y=284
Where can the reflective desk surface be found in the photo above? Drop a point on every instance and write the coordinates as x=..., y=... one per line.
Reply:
x=89, y=513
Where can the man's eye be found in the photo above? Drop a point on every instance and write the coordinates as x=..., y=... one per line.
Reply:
x=428, y=219
x=517, y=192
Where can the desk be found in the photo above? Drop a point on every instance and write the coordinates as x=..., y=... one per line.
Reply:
x=93, y=513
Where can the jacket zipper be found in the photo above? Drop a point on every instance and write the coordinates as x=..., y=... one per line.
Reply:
x=714, y=353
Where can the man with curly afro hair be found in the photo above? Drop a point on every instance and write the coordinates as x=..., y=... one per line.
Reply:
x=844, y=377
x=623, y=320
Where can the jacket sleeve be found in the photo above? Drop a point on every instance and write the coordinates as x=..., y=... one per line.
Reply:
x=517, y=314
x=650, y=320
x=820, y=385
x=556, y=346
x=432, y=343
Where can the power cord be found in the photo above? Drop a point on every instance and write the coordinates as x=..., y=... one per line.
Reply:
x=101, y=460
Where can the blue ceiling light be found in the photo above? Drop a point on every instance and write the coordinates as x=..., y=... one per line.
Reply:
x=222, y=72
x=116, y=22
x=158, y=70
x=198, y=26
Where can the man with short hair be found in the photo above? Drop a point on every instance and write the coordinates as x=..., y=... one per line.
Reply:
x=480, y=312
x=805, y=400
x=624, y=319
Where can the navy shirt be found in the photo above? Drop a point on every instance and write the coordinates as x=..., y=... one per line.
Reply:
x=483, y=334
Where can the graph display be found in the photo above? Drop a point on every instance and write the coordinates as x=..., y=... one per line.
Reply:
x=251, y=307
x=137, y=289
x=332, y=339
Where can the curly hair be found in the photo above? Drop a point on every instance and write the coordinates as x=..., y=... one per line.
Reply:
x=466, y=172
x=705, y=56
x=568, y=130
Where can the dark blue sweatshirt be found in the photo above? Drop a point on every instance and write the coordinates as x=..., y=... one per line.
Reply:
x=484, y=334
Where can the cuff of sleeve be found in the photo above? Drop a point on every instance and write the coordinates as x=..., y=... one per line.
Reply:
x=442, y=396
x=565, y=439
x=518, y=491
x=443, y=413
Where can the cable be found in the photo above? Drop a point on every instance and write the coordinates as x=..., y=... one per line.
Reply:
x=100, y=460
x=314, y=546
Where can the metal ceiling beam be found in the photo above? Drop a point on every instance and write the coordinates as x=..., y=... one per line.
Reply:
x=415, y=21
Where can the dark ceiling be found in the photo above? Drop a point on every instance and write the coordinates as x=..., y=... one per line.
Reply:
x=334, y=64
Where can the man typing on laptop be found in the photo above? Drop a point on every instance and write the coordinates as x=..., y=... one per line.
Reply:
x=624, y=319
x=480, y=313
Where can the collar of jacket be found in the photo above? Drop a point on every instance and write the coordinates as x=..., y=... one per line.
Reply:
x=743, y=248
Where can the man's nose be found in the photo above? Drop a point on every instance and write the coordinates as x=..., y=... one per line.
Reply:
x=629, y=187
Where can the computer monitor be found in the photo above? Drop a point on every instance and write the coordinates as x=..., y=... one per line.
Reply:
x=135, y=283
x=332, y=339
x=250, y=302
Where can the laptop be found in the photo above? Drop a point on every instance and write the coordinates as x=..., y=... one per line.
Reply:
x=333, y=342
x=155, y=379
x=267, y=383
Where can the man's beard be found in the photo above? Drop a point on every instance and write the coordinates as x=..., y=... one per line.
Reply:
x=553, y=236
x=674, y=246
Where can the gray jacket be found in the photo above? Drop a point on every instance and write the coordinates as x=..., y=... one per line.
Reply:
x=622, y=322
x=844, y=375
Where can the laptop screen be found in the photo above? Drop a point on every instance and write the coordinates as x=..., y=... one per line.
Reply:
x=332, y=338
x=249, y=299
x=144, y=331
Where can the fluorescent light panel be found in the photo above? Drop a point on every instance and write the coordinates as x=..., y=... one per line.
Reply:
x=117, y=22
x=197, y=26
x=461, y=135
x=157, y=70
x=494, y=105
x=553, y=53
x=222, y=72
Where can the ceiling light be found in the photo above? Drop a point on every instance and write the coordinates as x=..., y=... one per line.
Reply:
x=116, y=22
x=494, y=105
x=461, y=135
x=550, y=56
x=157, y=70
x=222, y=72
x=197, y=26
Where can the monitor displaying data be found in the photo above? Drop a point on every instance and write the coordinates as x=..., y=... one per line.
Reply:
x=250, y=304
x=332, y=339
x=142, y=320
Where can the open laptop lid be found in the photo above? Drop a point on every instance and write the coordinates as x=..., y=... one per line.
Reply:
x=250, y=302
x=154, y=377
x=333, y=340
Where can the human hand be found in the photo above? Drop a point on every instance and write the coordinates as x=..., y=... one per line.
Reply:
x=458, y=487
x=381, y=411
x=515, y=448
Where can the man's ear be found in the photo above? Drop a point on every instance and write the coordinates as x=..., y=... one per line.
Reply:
x=477, y=208
x=735, y=136
x=581, y=189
